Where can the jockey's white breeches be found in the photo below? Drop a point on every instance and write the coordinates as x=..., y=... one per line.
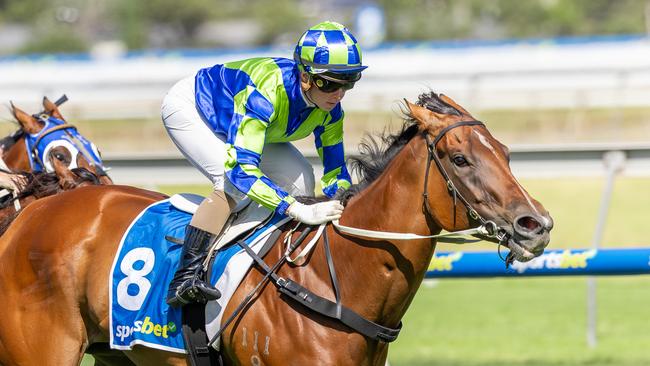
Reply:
x=281, y=162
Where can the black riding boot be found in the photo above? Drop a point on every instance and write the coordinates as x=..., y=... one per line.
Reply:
x=187, y=285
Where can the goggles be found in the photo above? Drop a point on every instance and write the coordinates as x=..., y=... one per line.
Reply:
x=328, y=84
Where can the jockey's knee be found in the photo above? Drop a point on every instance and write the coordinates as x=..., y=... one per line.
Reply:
x=212, y=213
x=300, y=181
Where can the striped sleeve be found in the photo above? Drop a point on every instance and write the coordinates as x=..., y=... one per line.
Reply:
x=329, y=143
x=251, y=117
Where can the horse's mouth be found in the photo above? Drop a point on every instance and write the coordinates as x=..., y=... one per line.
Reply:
x=521, y=254
x=524, y=246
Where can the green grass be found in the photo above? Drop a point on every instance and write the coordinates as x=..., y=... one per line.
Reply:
x=513, y=322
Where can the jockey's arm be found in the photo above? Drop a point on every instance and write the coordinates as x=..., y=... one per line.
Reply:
x=244, y=151
x=243, y=155
x=329, y=143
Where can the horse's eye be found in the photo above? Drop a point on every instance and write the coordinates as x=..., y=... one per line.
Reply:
x=59, y=156
x=460, y=160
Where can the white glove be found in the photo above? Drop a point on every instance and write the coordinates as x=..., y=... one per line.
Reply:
x=316, y=214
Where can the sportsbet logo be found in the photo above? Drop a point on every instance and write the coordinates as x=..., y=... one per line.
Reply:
x=444, y=263
x=557, y=260
x=145, y=327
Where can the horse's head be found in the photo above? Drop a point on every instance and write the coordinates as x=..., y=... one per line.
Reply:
x=46, y=137
x=474, y=166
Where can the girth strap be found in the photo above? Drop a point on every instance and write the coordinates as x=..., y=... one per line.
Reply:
x=332, y=310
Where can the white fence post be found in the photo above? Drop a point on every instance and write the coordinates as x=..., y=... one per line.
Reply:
x=614, y=163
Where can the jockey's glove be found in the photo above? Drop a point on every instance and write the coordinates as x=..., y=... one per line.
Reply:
x=317, y=213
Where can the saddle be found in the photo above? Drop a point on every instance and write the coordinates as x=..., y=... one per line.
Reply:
x=245, y=217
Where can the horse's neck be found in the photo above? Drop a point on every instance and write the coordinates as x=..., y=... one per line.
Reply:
x=388, y=273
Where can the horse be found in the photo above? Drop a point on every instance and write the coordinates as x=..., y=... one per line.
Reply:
x=443, y=170
x=29, y=148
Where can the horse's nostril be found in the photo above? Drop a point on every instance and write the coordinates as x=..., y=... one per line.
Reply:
x=529, y=223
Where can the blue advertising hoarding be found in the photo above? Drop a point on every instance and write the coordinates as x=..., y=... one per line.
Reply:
x=567, y=262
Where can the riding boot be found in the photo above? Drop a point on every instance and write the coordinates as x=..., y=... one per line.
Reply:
x=187, y=285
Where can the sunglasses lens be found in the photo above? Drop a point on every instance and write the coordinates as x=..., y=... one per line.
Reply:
x=328, y=86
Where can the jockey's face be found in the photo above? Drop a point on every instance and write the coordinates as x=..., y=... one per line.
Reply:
x=323, y=100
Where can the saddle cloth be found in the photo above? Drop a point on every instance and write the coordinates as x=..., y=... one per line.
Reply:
x=144, y=265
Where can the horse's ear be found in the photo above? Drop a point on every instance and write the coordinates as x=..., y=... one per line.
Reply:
x=67, y=179
x=453, y=103
x=29, y=124
x=52, y=109
x=426, y=117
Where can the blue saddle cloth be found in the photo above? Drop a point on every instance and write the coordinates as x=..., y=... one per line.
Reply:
x=144, y=265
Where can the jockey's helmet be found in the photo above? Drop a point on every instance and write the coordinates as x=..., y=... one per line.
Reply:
x=330, y=50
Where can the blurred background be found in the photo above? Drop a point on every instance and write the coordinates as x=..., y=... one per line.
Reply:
x=564, y=83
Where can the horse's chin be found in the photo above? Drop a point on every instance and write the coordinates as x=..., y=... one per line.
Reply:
x=520, y=253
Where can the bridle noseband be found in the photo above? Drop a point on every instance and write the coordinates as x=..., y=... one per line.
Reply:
x=493, y=230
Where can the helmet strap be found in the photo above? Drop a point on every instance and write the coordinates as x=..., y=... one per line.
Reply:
x=308, y=96
x=306, y=89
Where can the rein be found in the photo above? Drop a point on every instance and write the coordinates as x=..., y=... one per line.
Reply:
x=487, y=228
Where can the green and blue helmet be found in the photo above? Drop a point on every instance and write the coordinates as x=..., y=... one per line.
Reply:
x=329, y=48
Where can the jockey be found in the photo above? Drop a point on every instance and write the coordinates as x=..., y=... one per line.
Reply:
x=234, y=122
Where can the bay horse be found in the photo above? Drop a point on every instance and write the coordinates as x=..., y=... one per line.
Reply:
x=444, y=170
x=38, y=140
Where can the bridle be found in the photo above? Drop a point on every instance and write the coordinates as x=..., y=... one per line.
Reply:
x=487, y=228
x=494, y=231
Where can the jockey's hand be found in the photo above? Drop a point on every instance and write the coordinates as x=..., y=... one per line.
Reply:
x=316, y=214
x=12, y=182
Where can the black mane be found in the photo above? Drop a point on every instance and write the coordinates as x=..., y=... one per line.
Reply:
x=376, y=152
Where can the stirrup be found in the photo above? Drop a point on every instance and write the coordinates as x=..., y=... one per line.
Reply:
x=193, y=290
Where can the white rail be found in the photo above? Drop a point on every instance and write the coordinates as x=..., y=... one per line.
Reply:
x=604, y=74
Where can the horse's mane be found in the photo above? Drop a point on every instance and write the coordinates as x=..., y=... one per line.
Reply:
x=40, y=184
x=376, y=152
x=9, y=141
